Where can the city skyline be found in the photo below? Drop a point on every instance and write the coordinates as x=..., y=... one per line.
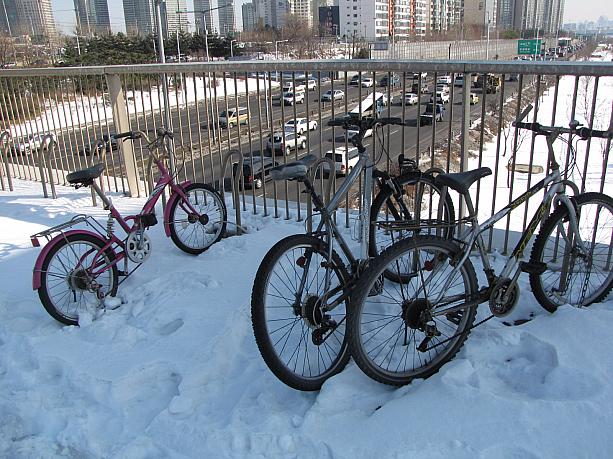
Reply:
x=574, y=11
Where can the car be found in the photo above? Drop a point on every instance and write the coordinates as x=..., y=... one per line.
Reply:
x=474, y=98
x=330, y=95
x=291, y=97
x=301, y=125
x=345, y=158
x=424, y=87
x=459, y=80
x=109, y=142
x=512, y=77
x=367, y=82
x=233, y=117
x=442, y=97
x=289, y=86
x=324, y=80
x=29, y=143
x=284, y=142
x=392, y=80
x=355, y=80
x=351, y=132
x=411, y=98
x=444, y=79
x=429, y=114
x=256, y=170
x=443, y=87
x=311, y=84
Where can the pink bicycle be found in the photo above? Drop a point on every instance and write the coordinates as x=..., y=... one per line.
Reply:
x=78, y=268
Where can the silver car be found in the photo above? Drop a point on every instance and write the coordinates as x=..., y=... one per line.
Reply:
x=285, y=142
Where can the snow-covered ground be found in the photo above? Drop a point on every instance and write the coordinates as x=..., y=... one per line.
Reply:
x=175, y=372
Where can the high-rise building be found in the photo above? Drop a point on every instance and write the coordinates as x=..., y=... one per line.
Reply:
x=444, y=14
x=329, y=23
x=480, y=14
x=34, y=18
x=9, y=18
x=248, y=17
x=375, y=19
x=262, y=12
x=225, y=14
x=141, y=20
x=544, y=16
x=92, y=16
x=303, y=11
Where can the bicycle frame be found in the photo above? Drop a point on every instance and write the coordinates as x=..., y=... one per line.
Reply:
x=473, y=236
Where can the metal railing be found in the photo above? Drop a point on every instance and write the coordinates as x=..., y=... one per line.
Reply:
x=216, y=108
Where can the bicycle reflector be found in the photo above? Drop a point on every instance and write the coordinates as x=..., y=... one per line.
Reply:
x=34, y=241
x=301, y=261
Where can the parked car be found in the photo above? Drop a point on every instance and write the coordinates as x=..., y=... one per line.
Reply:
x=109, y=142
x=330, y=95
x=291, y=97
x=254, y=177
x=444, y=79
x=459, y=80
x=300, y=125
x=429, y=114
x=441, y=97
x=311, y=84
x=411, y=98
x=474, y=98
x=344, y=160
x=367, y=82
x=29, y=143
x=443, y=87
x=392, y=80
x=233, y=117
x=284, y=142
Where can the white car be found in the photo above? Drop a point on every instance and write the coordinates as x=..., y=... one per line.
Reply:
x=301, y=125
x=352, y=132
x=459, y=80
x=344, y=159
x=330, y=95
x=291, y=97
x=442, y=97
x=444, y=79
x=367, y=82
x=443, y=87
x=289, y=86
x=411, y=98
x=311, y=85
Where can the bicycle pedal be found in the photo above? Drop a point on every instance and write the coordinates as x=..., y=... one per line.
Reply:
x=122, y=273
x=533, y=267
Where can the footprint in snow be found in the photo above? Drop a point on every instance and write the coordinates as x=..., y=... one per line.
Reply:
x=170, y=327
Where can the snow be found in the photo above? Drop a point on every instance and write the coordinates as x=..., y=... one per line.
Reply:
x=175, y=372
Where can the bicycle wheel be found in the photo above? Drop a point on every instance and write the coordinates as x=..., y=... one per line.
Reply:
x=301, y=344
x=66, y=276
x=399, y=334
x=195, y=233
x=388, y=208
x=572, y=277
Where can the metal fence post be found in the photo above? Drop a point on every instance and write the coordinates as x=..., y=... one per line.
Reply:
x=464, y=146
x=122, y=124
x=5, y=150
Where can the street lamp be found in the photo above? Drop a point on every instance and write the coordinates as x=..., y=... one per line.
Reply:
x=231, y=48
x=277, y=48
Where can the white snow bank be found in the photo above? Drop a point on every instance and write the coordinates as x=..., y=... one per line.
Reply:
x=175, y=372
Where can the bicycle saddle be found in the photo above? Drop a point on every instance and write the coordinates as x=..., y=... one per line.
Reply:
x=85, y=176
x=461, y=181
x=293, y=170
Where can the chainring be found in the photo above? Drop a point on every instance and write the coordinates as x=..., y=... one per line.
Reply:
x=138, y=247
x=502, y=301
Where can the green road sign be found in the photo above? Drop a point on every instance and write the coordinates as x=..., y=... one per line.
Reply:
x=534, y=46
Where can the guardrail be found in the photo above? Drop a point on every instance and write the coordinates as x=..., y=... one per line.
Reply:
x=83, y=106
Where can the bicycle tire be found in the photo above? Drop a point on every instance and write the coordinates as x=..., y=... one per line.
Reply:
x=208, y=202
x=66, y=278
x=262, y=307
x=375, y=334
x=383, y=207
x=548, y=244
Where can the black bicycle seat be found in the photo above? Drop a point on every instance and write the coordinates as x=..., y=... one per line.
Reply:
x=461, y=181
x=293, y=170
x=85, y=176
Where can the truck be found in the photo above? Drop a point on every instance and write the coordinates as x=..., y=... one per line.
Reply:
x=365, y=108
x=490, y=84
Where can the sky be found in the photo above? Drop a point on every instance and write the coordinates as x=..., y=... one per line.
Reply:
x=574, y=11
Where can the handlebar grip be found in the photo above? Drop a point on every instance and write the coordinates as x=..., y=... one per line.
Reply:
x=536, y=127
x=586, y=133
x=127, y=135
x=391, y=120
x=338, y=122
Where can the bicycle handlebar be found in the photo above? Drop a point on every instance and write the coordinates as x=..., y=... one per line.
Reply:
x=583, y=132
x=365, y=123
x=133, y=135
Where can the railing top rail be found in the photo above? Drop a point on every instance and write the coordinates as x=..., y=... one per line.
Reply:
x=342, y=65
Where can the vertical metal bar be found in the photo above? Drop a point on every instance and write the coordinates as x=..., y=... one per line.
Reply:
x=589, y=139
x=497, y=165
x=531, y=161
x=481, y=135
